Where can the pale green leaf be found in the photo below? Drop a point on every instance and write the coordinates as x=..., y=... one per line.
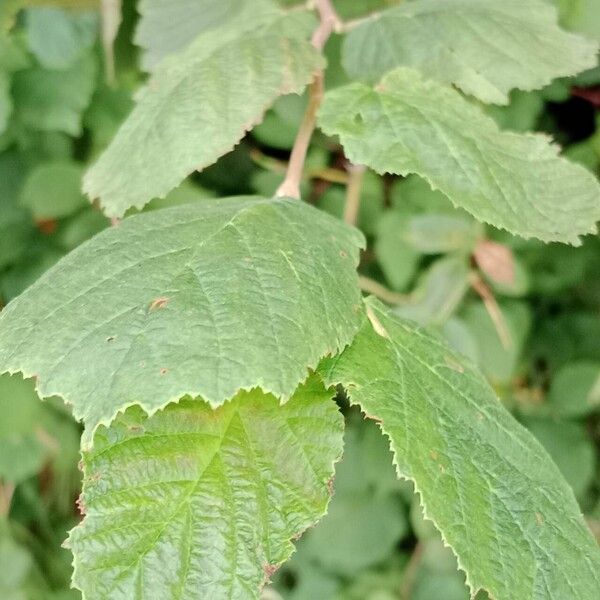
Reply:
x=22, y=452
x=6, y=104
x=499, y=358
x=53, y=190
x=58, y=38
x=168, y=27
x=215, y=495
x=575, y=389
x=570, y=447
x=16, y=566
x=200, y=299
x=439, y=291
x=15, y=224
x=485, y=47
x=55, y=100
x=398, y=259
x=200, y=102
x=13, y=56
x=582, y=16
x=513, y=181
x=493, y=492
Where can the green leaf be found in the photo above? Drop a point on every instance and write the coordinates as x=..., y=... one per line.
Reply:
x=398, y=259
x=12, y=55
x=15, y=225
x=22, y=452
x=571, y=449
x=490, y=488
x=497, y=359
x=439, y=292
x=6, y=104
x=582, y=16
x=200, y=102
x=513, y=181
x=80, y=228
x=58, y=38
x=217, y=495
x=201, y=299
x=55, y=100
x=108, y=109
x=169, y=27
x=17, y=576
x=437, y=575
x=575, y=389
x=360, y=530
x=53, y=190
x=484, y=47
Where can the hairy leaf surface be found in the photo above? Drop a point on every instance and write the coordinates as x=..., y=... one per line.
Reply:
x=513, y=181
x=493, y=492
x=168, y=27
x=201, y=299
x=201, y=503
x=200, y=102
x=484, y=47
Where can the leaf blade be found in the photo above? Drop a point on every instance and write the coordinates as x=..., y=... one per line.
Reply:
x=512, y=181
x=202, y=299
x=492, y=491
x=198, y=105
x=219, y=493
x=485, y=48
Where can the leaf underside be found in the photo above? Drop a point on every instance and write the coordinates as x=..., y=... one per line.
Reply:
x=484, y=47
x=200, y=503
x=516, y=182
x=202, y=300
x=492, y=491
x=200, y=102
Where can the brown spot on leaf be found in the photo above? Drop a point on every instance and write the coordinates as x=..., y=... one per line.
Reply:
x=539, y=519
x=110, y=338
x=343, y=254
x=160, y=302
x=47, y=226
x=269, y=570
x=81, y=505
x=330, y=486
x=164, y=371
x=434, y=455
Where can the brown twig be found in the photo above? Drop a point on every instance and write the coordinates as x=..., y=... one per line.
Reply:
x=410, y=573
x=6, y=493
x=380, y=291
x=329, y=174
x=356, y=174
x=493, y=309
x=328, y=23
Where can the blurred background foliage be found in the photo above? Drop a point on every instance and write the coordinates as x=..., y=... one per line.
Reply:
x=527, y=313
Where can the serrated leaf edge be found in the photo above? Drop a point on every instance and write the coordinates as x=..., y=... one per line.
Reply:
x=329, y=483
x=575, y=240
x=286, y=88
